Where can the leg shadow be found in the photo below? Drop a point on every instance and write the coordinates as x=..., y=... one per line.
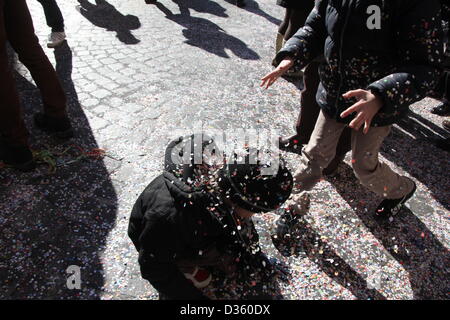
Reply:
x=407, y=239
x=208, y=36
x=53, y=220
x=253, y=7
x=324, y=256
x=201, y=6
x=409, y=146
x=104, y=15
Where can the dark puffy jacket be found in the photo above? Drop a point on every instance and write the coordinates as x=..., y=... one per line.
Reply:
x=171, y=220
x=401, y=61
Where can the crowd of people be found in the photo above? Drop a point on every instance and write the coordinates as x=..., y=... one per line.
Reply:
x=359, y=80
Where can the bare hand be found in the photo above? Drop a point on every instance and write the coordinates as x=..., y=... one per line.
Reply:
x=273, y=76
x=366, y=108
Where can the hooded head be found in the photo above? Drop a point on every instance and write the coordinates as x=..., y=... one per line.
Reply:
x=249, y=186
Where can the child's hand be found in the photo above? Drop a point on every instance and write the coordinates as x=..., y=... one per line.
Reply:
x=273, y=76
x=367, y=107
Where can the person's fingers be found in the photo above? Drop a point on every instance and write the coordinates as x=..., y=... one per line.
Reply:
x=358, y=121
x=354, y=108
x=359, y=93
x=271, y=81
x=367, y=125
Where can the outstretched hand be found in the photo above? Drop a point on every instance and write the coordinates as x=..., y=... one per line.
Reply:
x=273, y=76
x=366, y=108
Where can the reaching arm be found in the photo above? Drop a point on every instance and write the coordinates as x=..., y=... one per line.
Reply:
x=419, y=55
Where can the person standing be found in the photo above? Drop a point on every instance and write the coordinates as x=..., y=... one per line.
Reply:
x=16, y=26
x=296, y=15
x=55, y=20
x=367, y=83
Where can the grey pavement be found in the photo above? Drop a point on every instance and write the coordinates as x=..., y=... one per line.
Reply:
x=138, y=75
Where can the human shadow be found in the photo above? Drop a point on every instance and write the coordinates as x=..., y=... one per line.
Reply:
x=53, y=219
x=206, y=35
x=413, y=140
x=318, y=251
x=104, y=15
x=201, y=6
x=406, y=238
x=253, y=7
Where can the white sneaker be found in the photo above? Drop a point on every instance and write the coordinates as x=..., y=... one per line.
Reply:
x=55, y=39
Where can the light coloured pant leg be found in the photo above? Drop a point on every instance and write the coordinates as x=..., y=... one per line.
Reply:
x=375, y=175
x=319, y=152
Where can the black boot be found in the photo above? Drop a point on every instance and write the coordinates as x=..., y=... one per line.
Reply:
x=390, y=207
x=59, y=127
x=291, y=144
x=18, y=157
x=442, y=109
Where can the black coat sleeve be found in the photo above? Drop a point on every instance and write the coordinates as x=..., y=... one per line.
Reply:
x=418, y=37
x=157, y=260
x=308, y=43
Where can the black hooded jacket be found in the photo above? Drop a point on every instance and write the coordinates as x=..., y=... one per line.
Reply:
x=400, y=61
x=170, y=220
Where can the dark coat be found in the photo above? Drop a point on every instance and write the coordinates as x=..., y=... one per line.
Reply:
x=401, y=62
x=173, y=220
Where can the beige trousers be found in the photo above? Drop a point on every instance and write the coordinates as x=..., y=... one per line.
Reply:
x=372, y=173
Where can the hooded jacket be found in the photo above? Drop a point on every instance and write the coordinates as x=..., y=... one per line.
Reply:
x=392, y=47
x=173, y=219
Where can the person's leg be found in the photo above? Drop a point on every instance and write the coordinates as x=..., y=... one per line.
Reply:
x=14, y=148
x=319, y=152
x=377, y=176
x=344, y=146
x=21, y=35
x=309, y=111
x=285, y=23
x=297, y=19
x=12, y=126
x=53, y=15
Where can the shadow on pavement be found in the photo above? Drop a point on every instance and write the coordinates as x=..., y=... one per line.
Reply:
x=406, y=238
x=253, y=7
x=51, y=220
x=324, y=256
x=104, y=15
x=205, y=34
x=414, y=151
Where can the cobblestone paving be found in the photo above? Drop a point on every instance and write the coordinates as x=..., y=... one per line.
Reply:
x=136, y=76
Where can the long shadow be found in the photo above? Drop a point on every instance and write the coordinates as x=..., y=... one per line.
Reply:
x=206, y=35
x=324, y=256
x=201, y=6
x=415, y=152
x=253, y=7
x=406, y=238
x=104, y=15
x=51, y=220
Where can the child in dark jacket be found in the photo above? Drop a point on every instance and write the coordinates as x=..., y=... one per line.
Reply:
x=197, y=216
x=381, y=56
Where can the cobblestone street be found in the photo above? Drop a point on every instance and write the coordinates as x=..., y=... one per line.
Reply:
x=137, y=76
